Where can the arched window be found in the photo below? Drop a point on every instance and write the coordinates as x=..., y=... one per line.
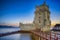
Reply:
x=44, y=21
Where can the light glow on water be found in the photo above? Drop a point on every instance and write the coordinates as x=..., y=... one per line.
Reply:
x=11, y=37
x=17, y=36
x=5, y=30
x=14, y=36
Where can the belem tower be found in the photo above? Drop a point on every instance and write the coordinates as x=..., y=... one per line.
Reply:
x=41, y=19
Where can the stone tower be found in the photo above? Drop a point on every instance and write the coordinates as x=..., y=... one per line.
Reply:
x=42, y=17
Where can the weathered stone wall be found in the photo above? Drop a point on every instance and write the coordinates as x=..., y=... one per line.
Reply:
x=42, y=17
x=27, y=27
x=34, y=37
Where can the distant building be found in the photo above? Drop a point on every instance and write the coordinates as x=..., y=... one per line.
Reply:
x=56, y=27
x=41, y=19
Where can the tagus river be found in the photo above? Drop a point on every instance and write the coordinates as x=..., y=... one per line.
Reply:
x=24, y=36
x=14, y=36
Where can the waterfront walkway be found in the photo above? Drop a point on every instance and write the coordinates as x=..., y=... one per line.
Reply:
x=45, y=36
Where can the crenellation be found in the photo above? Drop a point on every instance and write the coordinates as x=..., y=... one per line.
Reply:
x=41, y=19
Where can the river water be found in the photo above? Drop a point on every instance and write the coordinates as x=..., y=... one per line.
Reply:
x=14, y=36
x=24, y=36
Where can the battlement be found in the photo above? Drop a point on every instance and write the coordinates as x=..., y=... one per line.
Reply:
x=26, y=27
x=41, y=19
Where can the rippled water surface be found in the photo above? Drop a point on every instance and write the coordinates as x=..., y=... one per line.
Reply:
x=24, y=36
x=14, y=36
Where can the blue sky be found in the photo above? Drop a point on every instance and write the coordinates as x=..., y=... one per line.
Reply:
x=14, y=11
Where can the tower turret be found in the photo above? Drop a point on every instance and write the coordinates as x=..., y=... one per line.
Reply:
x=42, y=17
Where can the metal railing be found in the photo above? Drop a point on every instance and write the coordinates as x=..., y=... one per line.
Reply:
x=44, y=35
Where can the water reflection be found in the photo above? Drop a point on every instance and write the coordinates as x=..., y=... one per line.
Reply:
x=16, y=37
x=11, y=37
x=25, y=36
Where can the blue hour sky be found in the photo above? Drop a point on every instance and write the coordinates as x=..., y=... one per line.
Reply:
x=14, y=11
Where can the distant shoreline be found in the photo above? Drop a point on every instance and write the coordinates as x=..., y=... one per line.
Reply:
x=1, y=26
